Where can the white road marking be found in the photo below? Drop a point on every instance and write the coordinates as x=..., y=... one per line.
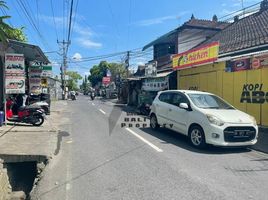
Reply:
x=144, y=140
x=102, y=111
x=68, y=186
x=93, y=104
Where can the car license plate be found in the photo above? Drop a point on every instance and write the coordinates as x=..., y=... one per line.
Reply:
x=241, y=133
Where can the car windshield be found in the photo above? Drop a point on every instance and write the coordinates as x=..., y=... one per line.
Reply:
x=208, y=101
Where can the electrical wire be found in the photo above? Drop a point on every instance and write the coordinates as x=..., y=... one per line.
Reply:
x=75, y=12
x=54, y=21
x=32, y=22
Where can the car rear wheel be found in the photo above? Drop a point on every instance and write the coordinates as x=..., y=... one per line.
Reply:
x=153, y=122
x=197, y=137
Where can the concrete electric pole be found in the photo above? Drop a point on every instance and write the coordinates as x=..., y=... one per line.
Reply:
x=64, y=46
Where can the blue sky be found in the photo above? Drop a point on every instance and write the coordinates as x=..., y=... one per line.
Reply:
x=109, y=26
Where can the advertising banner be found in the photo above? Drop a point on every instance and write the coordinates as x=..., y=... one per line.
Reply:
x=202, y=55
x=253, y=62
x=35, y=85
x=106, y=80
x=14, y=73
x=15, y=85
x=155, y=84
x=150, y=69
x=14, y=64
x=238, y=65
x=259, y=62
x=46, y=68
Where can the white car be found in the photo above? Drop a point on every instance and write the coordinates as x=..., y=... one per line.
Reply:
x=205, y=118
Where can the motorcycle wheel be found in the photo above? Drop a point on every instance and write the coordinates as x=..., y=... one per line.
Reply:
x=39, y=120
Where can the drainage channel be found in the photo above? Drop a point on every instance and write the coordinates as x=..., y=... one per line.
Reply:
x=22, y=176
x=23, y=173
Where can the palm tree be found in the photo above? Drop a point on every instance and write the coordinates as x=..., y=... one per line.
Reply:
x=8, y=32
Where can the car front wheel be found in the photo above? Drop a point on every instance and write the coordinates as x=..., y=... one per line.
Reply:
x=197, y=137
x=153, y=122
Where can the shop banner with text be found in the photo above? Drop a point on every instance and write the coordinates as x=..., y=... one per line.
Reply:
x=14, y=73
x=201, y=55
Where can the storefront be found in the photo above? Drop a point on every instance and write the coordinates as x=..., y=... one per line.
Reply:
x=242, y=81
x=19, y=57
x=151, y=85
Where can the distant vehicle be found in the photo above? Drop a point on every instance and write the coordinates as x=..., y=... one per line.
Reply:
x=205, y=118
x=72, y=95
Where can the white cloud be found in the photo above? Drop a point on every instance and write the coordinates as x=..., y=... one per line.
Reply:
x=87, y=73
x=77, y=57
x=140, y=63
x=159, y=20
x=82, y=30
x=83, y=33
x=88, y=43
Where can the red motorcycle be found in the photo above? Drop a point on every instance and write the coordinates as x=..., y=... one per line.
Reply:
x=34, y=115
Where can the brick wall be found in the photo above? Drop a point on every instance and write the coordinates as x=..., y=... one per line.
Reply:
x=5, y=188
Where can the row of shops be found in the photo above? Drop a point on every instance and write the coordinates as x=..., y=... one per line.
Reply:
x=25, y=70
x=231, y=64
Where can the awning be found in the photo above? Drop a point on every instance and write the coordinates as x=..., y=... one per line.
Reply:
x=31, y=52
x=163, y=74
x=159, y=75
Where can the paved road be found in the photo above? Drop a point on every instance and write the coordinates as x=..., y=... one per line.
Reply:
x=137, y=163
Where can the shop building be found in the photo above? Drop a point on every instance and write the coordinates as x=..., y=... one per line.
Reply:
x=30, y=54
x=158, y=74
x=240, y=72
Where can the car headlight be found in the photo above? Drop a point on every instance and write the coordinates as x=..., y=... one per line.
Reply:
x=215, y=120
x=253, y=120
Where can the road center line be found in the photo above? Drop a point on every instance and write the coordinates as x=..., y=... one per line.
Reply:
x=144, y=140
x=102, y=111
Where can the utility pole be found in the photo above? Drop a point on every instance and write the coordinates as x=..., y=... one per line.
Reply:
x=64, y=44
x=127, y=63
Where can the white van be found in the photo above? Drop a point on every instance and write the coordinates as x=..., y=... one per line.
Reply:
x=205, y=118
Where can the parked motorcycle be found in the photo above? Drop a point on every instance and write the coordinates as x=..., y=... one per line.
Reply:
x=28, y=114
x=73, y=97
x=42, y=100
x=144, y=109
x=44, y=105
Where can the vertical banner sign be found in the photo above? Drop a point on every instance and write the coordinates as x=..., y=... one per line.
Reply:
x=46, y=70
x=35, y=72
x=14, y=73
x=38, y=74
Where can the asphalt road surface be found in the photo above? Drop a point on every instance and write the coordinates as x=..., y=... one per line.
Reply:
x=138, y=163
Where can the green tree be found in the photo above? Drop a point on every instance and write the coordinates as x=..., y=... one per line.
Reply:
x=72, y=82
x=85, y=85
x=8, y=32
x=97, y=72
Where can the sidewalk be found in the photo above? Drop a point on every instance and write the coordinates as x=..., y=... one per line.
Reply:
x=28, y=143
x=262, y=144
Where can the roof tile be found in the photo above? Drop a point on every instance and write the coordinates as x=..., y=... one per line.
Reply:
x=250, y=31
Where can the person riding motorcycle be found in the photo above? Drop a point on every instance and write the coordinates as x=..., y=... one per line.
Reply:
x=92, y=95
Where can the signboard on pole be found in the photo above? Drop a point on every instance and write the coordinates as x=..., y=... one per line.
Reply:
x=150, y=69
x=106, y=80
x=202, y=55
x=155, y=84
x=15, y=85
x=14, y=73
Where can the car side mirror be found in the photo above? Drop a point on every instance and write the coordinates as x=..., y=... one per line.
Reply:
x=184, y=106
